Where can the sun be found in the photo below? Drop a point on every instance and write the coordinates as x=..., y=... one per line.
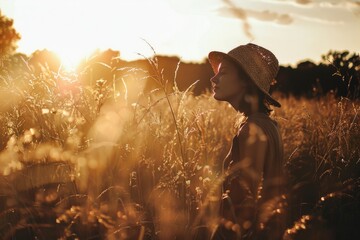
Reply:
x=71, y=58
x=76, y=29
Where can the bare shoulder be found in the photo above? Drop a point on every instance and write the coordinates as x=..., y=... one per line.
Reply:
x=251, y=132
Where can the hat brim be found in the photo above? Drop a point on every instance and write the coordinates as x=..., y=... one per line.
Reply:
x=216, y=57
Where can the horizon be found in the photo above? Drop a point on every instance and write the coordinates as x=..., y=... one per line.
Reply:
x=294, y=30
x=174, y=56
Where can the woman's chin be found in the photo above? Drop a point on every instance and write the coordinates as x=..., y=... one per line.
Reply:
x=218, y=97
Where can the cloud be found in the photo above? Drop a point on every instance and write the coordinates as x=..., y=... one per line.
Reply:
x=320, y=3
x=303, y=1
x=243, y=14
x=317, y=20
x=232, y=10
x=269, y=16
x=352, y=6
x=266, y=15
x=240, y=14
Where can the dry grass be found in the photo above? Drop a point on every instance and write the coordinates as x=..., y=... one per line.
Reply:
x=86, y=161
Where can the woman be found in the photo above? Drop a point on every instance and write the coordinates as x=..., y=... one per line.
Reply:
x=253, y=174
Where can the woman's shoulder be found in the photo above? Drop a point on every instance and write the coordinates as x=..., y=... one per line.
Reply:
x=259, y=116
x=257, y=123
x=250, y=130
x=263, y=120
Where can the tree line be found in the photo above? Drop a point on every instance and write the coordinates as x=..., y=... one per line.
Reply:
x=338, y=72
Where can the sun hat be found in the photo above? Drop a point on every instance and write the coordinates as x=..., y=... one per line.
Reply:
x=260, y=65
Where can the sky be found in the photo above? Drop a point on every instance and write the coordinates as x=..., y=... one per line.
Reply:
x=294, y=30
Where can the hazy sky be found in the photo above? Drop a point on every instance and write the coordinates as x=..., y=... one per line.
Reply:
x=293, y=29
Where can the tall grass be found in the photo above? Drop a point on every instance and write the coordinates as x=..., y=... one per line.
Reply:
x=105, y=159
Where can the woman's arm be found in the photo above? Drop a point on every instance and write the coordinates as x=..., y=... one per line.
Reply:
x=247, y=173
x=252, y=146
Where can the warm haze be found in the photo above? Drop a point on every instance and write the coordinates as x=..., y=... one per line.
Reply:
x=293, y=29
x=162, y=149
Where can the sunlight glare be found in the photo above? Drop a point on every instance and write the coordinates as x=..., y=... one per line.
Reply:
x=71, y=59
x=117, y=27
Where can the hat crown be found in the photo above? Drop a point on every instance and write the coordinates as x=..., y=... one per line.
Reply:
x=259, y=63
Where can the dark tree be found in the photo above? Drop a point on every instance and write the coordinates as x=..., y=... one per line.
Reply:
x=8, y=36
x=338, y=73
x=44, y=59
x=346, y=71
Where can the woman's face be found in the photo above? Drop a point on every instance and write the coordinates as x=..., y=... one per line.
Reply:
x=229, y=84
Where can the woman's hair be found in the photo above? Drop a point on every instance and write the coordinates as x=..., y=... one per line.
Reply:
x=254, y=99
x=263, y=104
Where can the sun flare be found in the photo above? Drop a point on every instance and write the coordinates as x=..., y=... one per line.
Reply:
x=75, y=36
x=70, y=59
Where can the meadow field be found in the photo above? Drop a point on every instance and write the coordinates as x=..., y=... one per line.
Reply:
x=103, y=159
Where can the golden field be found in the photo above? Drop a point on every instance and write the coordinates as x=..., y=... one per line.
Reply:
x=103, y=159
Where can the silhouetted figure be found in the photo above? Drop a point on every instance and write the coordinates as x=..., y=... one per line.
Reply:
x=252, y=187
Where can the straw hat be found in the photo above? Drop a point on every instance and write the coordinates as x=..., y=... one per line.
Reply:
x=259, y=63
